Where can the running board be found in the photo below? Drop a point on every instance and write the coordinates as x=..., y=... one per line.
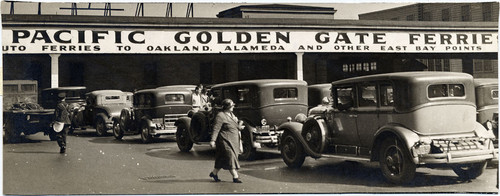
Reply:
x=346, y=157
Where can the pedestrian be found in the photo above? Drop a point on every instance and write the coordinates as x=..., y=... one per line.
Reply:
x=61, y=118
x=196, y=99
x=205, y=104
x=226, y=141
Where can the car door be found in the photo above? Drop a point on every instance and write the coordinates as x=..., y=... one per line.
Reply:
x=368, y=113
x=343, y=120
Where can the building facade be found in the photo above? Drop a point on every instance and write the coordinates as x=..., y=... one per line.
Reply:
x=447, y=12
x=130, y=53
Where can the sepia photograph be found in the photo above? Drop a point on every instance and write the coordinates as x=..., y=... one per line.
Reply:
x=244, y=98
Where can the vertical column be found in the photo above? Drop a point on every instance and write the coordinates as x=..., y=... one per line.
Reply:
x=54, y=70
x=300, y=66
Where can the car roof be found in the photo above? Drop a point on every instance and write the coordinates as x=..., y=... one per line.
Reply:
x=263, y=83
x=485, y=81
x=67, y=88
x=325, y=85
x=406, y=76
x=106, y=92
x=187, y=86
x=165, y=90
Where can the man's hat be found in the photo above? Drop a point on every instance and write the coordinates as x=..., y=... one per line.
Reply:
x=61, y=95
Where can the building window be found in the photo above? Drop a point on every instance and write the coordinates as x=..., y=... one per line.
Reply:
x=427, y=16
x=465, y=12
x=359, y=67
x=395, y=18
x=445, y=14
x=410, y=17
x=487, y=12
x=438, y=64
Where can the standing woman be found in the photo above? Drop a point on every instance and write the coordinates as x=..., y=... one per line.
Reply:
x=226, y=140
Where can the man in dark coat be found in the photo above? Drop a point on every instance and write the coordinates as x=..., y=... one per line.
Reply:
x=62, y=116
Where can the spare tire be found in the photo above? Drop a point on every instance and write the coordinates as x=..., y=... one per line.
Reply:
x=199, y=126
x=314, y=136
x=125, y=120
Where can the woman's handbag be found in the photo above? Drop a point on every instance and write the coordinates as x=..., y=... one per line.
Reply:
x=58, y=126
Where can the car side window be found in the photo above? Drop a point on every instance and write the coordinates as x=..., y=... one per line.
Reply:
x=367, y=95
x=345, y=97
x=244, y=99
x=386, y=95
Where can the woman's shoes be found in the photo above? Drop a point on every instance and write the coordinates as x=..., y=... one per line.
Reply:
x=236, y=180
x=215, y=177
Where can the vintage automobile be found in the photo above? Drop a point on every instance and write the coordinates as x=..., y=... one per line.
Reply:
x=101, y=107
x=261, y=104
x=487, y=103
x=27, y=119
x=318, y=94
x=402, y=120
x=153, y=113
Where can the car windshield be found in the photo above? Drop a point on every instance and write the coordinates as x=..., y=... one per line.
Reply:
x=446, y=90
x=174, y=98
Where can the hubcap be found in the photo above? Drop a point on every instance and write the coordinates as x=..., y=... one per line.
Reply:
x=394, y=160
x=308, y=137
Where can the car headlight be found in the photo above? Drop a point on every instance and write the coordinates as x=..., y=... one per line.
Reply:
x=263, y=122
x=301, y=118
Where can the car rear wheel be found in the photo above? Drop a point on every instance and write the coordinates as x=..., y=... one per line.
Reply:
x=11, y=136
x=117, y=131
x=292, y=151
x=469, y=171
x=100, y=126
x=395, y=162
x=145, y=134
x=183, y=141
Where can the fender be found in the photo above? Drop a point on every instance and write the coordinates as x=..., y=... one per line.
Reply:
x=187, y=122
x=146, y=120
x=103, y=116
x=249, y=128
x=295, y=128
x=407, y=136
x=482, y=132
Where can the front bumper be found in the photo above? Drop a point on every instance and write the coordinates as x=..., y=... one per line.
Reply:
x=454, y=151
x=168, y=131
x=266, y=135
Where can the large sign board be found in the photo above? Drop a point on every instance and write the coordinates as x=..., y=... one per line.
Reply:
x=46, y=40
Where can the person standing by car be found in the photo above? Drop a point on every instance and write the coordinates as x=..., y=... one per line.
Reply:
x=226, y=140
x=205, y=104
x=196, y=99
x=61, y=117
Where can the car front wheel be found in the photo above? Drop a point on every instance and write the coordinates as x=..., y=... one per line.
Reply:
x=183, y=141
x=145, y=136
x=395, y=162
x=100, y=126
x=469, y=171
x=117, y=131
x=292, y=151
x=249, y=152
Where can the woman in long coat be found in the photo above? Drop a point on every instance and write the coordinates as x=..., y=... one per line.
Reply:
x=226, y=140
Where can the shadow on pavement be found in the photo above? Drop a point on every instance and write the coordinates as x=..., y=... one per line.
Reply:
x=176, y=154
x=128, y=140
x=349, y=173
x=55, y=151
x=24, y=139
